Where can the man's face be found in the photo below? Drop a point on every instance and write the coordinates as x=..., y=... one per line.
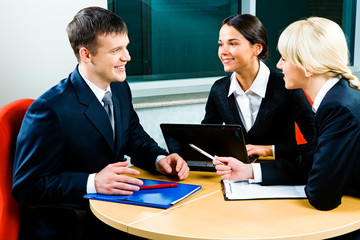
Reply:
x=108, y=65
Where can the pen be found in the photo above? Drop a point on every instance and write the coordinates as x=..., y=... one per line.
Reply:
x=201, y=151
x=166, y=185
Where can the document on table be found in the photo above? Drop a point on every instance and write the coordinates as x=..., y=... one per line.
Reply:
x=243, y=190
x=152, y=197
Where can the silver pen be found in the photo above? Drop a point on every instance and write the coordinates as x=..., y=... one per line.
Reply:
x=202, y=151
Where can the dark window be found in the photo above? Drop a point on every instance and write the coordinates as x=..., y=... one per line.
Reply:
x=176, y=39
x=173, y=38
x=277, y=14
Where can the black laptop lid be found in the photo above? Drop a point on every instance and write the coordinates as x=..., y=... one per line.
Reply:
x=215, y=139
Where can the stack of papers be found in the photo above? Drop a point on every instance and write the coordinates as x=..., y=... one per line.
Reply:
x=243, y=190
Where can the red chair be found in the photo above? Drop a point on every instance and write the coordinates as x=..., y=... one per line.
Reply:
x=11, y=116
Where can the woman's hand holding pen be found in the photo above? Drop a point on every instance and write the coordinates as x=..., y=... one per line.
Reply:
x=230, y=168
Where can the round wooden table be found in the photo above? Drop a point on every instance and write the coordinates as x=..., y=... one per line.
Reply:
x=206, y=215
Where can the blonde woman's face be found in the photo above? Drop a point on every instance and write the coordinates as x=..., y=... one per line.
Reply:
x=294, y=76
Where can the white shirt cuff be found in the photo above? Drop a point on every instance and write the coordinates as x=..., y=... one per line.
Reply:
x=90, y=186
x=257, y=173
x=273, y=148
x=158, y=159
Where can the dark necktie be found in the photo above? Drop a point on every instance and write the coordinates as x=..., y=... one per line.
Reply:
x=108, y=106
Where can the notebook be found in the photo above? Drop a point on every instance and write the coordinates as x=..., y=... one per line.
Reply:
x=244, y=190
x=215, y=139
x=156, y=198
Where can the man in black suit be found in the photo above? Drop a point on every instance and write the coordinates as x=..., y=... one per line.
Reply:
x=74, y=137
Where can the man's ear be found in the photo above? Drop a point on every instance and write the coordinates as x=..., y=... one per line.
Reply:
x=85, y=54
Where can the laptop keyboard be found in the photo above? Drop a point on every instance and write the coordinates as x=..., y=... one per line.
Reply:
x=200, y=164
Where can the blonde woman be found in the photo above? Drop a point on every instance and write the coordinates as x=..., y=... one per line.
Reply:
x=314, y=57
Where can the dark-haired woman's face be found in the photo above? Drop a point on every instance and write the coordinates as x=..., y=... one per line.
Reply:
x=235, y=51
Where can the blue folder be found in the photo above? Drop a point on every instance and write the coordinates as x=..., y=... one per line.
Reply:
x=157, y=198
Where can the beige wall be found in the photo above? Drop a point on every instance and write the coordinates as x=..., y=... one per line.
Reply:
x=35, y=52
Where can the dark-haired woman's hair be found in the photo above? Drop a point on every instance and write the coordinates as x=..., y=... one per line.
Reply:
x=251, y=28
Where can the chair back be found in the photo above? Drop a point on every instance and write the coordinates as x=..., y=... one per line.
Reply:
x=11, y=116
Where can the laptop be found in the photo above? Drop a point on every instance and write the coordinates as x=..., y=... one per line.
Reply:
x=215, y=139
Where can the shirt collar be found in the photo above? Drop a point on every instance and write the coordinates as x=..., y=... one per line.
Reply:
x=259, y=85
x=323, y=91
x=99, y=93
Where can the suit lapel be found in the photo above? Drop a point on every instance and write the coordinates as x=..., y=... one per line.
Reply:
x=94, y=112
x=118, y=123
x=229, y=103
x=234, y=112
x=266, y=107
x=97, y=116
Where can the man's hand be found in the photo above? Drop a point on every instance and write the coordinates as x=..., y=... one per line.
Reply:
x=111, y=180
x=230, y=168
x=174, y=165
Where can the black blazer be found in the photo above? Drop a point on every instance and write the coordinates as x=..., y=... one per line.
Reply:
x=331, y=167
x=66, y=135
x=275, y=122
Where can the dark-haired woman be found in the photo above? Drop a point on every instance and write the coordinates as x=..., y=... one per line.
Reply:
x=254, y=96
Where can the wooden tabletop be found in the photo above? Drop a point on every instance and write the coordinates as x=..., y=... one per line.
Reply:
x=206, y=215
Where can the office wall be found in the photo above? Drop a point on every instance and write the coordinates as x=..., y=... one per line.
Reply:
x=35, y=51
x=36, y=54
x=151, y=118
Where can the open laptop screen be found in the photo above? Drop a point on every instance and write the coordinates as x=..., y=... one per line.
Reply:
x=215, y=139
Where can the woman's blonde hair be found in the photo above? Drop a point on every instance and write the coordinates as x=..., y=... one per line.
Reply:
x=318, y=45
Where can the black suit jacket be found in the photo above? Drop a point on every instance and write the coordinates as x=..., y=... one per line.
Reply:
x=331, y=166
x=275, y=122
x=66, y=135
